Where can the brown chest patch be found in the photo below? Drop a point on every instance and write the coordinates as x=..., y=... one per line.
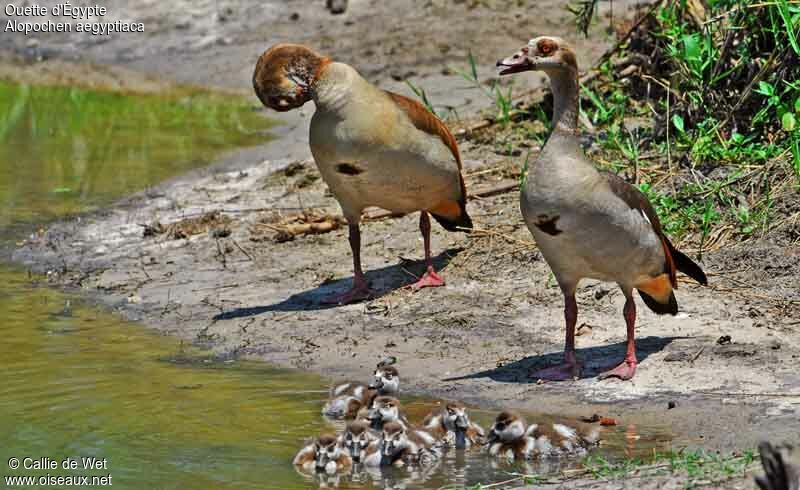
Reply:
x=348, y=169
x=548, y=224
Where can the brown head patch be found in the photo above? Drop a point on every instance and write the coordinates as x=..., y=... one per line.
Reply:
x=326, y=440
x=454, y=406
x=546, y=47
x=357, y=427
x=506, y=417
x=389, y=371
x=392, y=428
x=285, y=72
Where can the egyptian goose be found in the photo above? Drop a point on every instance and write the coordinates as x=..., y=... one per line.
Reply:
x=356, y=438
x=348, y=398
x=779, y=474
x=386, y=409
x=510, y=437
x=452, y=426
x=588, y=223
x=400, y=445
x=372, y=147
x=324, y=455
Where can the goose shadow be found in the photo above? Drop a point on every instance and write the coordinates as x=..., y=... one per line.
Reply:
x=382, y=281
x=595, y=361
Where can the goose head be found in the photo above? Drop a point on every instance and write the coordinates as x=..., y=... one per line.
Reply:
x=544, y=53
x=285, y=76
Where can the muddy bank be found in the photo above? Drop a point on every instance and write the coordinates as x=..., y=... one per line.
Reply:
x=226, y=282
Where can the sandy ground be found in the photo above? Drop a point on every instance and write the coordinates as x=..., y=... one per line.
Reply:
x=235, y=289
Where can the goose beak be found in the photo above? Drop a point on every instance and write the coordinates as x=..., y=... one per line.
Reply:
x=516, y=63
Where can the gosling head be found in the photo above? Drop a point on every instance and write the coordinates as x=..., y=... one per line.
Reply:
x=544, y=53
x=326, y=450
x=386, y=380
x=395, y=439
x=285, y=75
x=507, y=427
x=454, y=417
x=356, y=439
x=384, y=409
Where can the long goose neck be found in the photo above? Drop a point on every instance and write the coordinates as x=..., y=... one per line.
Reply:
x=564, y=84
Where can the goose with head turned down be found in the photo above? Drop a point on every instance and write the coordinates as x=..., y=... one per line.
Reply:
x=372, y=147
x=588, y=223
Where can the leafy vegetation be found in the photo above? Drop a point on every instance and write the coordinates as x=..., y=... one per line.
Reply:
x=702, y=103
x=698, y=105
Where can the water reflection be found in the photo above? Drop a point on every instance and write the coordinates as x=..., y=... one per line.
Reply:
x=65, y=150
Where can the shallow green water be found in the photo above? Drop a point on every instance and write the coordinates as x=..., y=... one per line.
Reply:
x=79, y=382
x=65, y=150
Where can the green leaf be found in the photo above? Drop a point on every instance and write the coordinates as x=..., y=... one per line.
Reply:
x=677, y=121
x=62, y=190
x=789, y=122
x=797, y=105
x=691, y=47
x=765, y=88
x=783, y=9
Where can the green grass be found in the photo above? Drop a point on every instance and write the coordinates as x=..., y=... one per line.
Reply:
x=694, y=468
x=501, y=97
x=687, y=464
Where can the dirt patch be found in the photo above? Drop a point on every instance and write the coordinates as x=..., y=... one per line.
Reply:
x=500, y=316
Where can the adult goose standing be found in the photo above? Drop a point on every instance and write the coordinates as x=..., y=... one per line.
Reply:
x=372, y=147
x=588, y=223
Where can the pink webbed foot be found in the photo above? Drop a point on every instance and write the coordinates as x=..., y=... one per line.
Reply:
x=356, y=293
x=563, y=372
x=624, y=371
x=428, y=280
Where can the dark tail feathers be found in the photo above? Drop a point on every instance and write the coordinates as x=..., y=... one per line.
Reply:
x=687, y=265
x=670, y=308
x=778, y=474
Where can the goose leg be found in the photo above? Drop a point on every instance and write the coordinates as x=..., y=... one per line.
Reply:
x=430, y=278
x=571, y=367
x=360, y=289
x=627, y=368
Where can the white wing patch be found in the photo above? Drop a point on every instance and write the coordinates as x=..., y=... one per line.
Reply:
x=566, y=432
x=645, y=216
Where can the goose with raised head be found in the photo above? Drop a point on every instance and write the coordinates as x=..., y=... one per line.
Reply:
x=372, y=147
x=588, y=223
x=349, y=398
x=451, y=425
